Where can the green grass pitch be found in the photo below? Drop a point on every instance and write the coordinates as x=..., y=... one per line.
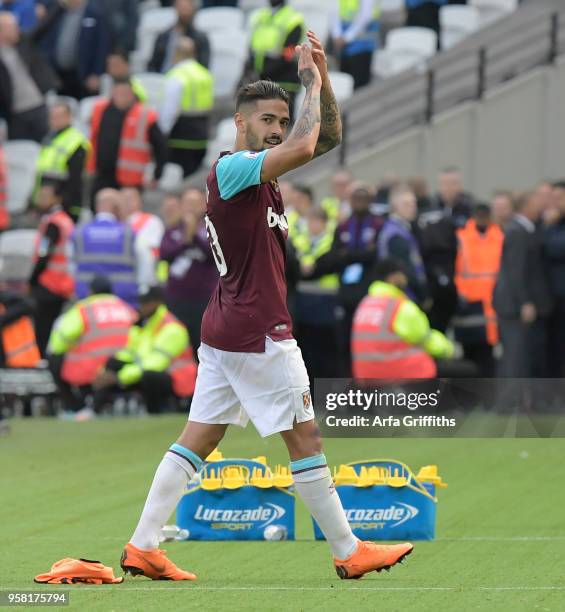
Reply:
x=76, y=489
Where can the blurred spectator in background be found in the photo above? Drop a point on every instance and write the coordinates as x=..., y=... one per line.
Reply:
x=123, y=18
x=554, y=251
x=546, y=193
x=124, y=135
x=23, y=11
x=63, y=156
x=18, y=346
x=425, y=14
x=172, y=215
x=438, y=244
x=170, y=210
x=77, y=45
x=25, y=76
x=186, y=107
x=502, y=208
x=157, y=360
x=392, y=338
x=380, y=204
x=419, y=186
x=301, y=202
x=192, y=275
x=355, y=31
x=165, y=45
x=522, y=297
x=84, y=338
x=451, y=198
x=51, y=282
x=275, y=32
x=148, y=230
x=479, y=248
x=118, y=69
x=352, y=255
x=316, y=298
x=4, y=214
x=107, y=247
x=337, y=205
x=398, y=241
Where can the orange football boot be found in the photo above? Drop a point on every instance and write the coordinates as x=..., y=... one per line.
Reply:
x=371, y=557
x=151, y=563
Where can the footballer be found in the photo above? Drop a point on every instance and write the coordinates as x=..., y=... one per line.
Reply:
x=250, y=365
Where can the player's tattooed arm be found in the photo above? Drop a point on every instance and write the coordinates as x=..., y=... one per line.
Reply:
x=298, y=149
x=330, y=128
x=310, y=111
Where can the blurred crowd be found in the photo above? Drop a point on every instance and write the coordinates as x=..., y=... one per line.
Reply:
x=385, y=281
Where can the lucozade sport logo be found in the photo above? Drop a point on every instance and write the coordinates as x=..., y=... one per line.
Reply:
x=240, y=518
x=396, y=514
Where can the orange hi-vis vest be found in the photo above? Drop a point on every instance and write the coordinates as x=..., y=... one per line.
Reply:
x=18, y=341
x=107, y=321
x=476, y=269
x=135, y=149
x=183, y=368
x=57, y=277
x=4, y=216
x=377, y=351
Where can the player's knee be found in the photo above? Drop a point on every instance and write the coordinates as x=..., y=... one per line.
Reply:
x=304, y=441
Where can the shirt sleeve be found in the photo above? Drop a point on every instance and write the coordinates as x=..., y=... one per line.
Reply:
x=239, y=171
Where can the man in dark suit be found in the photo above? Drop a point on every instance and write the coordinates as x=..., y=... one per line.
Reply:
x=522, y=298
x=77, y=45
x=25, y=77
x=165, y=45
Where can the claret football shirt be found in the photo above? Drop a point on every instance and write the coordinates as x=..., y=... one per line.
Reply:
x=247, y=230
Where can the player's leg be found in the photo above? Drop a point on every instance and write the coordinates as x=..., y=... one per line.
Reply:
x=180, y=463
x=314, y=483
x=214, y=406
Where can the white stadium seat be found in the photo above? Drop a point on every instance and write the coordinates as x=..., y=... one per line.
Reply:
x=326, y=6
x=405, y=48
x=21, y=159
x=224, y=141
x=491, y=10
x=421, y=41
x=170, y=180
x=226, y=131
x=248, y=6
x=86, y=106
x=154, y=84
x=457, y=22
x=151, y=24
x=318, y=22
x=16, y=253
x=392, y=6
x=228, y=56
x=342, y=85
x=219, y=18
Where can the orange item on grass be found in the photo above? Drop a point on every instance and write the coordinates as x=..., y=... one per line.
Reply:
x=73, y=571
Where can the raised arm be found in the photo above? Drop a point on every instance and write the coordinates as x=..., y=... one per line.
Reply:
x=300, y=145
x=330, y=127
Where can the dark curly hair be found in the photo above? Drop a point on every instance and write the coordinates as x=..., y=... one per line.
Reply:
x=259, y=90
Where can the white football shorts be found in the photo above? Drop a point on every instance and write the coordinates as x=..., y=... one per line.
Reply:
x=271, y=388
